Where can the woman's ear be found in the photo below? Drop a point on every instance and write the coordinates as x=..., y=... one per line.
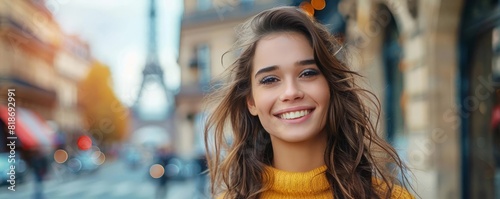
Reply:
x=251, y=106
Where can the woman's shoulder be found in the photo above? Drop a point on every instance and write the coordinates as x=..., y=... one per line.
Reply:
x=398, y=192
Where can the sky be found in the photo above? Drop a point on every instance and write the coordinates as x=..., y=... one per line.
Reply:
x=117, y=30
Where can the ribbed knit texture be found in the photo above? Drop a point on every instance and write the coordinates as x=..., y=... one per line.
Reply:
x=310, y=185
x=288, y=185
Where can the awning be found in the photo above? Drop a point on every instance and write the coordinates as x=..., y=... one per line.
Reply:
x=27, y=92
x=31, y=129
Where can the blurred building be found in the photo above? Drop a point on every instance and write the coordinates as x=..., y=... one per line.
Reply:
x=43, y=66
x=72, y=63
x=207, y=32
x=434, y=66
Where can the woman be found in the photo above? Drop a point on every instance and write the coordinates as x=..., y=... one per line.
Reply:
x=298, y=125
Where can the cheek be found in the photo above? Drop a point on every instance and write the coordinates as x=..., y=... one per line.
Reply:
x=325, y=90
x=326, y=96
x=323, y=99
x=320, y=92
x=264, y=101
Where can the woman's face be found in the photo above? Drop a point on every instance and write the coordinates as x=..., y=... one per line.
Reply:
x=289, y=93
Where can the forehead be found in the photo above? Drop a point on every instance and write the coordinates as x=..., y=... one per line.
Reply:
x=281, y=49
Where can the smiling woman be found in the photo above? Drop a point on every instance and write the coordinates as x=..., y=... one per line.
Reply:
x=300, y=128
x=291, y=99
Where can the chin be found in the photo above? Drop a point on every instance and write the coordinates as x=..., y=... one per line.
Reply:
x=292, y=137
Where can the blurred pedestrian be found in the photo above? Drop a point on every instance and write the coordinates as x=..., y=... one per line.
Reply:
x=495, y=126
x=163, y=156
x=201, y=177
x=39, y=162
x=300, y=126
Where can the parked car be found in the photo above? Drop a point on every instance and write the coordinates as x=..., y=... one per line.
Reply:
x=82, y=162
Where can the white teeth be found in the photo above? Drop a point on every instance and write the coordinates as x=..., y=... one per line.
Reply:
x=294, y=114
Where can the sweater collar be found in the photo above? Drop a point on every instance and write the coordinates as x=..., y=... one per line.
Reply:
x=298, y=183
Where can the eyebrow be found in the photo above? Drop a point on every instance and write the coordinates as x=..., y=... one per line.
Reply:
x=275, y=67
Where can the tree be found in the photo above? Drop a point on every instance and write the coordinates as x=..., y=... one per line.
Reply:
x=105, y=115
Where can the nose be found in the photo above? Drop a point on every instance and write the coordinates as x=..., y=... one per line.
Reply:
x=291, y=92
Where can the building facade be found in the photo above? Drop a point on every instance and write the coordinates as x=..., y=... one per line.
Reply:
x=44, y=66
x=434, y=66
x=72, y=63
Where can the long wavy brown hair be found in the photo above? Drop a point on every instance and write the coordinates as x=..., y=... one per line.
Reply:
x=238, y=150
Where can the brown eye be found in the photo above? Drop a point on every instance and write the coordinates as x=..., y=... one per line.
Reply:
x=309, y=73
x=268, y=80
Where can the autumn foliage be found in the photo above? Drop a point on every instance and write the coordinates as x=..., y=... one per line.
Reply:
x=106, y=117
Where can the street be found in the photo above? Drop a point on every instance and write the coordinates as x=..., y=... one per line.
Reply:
x=113, y=180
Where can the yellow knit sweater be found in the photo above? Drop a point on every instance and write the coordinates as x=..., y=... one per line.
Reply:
x=309, y=185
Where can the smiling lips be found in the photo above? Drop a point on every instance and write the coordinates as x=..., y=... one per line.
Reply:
x=294, y=114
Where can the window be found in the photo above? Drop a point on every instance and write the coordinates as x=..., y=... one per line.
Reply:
x=203, y=57
x=204, y=4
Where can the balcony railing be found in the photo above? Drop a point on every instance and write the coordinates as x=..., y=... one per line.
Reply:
x=226, y=12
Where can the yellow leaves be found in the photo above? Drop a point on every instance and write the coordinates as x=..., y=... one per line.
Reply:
x=106, y=116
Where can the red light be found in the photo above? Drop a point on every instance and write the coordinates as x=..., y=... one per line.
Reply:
x=84, y=142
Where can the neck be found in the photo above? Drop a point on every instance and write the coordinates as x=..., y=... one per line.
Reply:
x=299, y=157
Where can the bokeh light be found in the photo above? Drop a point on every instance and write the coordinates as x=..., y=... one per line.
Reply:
x=95, y=154
x=95, y=148
x=60, y=156
x=98, y=157
x=84, y=142
x=156, y=171
x=74, y=165
x=307, y=7
x=318, y=4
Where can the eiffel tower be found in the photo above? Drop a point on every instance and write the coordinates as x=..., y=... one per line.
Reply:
x=152, y=72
